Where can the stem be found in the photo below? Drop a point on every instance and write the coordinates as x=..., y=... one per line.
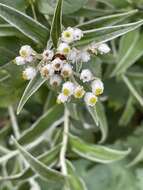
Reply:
x=64, y=143
x=14, y=122
x=33, y=10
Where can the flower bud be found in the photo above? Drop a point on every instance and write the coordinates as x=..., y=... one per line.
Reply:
x=66, y=70
x=20, y=60
x=29, y=73
x=74, y=55
x=57, y=64
x=68, y=88
x=78, y=34
x=84, y=56
x=64, y=48
x=90, y=99
x=103, y=48
x=62, y=98
x=48, y=55
x=55, y=80
x=79, y=92
x=26, y=51
x=97, y=87
x=47, y=70
x=86, y=75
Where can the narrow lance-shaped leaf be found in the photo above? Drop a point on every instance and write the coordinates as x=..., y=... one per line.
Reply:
x=25, y=24
x=96, y=153
x=105, y=34
x=49, y=158
x=31, y=88
x=57, y=23
x=133, y=90
x=98, y=114
x=137, y=159
x=41, y=169
x=75, y=182
x=106, y=20
x=50, y=118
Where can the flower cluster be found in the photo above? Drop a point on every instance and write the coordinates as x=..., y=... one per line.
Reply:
x=59, y=67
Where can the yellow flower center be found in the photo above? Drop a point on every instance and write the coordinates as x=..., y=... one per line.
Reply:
x=66, y=50
x=79, y=93
x=66, y=92
x=24, y=76
x=23, y=53
x=67, y=34
x=99, y=91
x=93, y=100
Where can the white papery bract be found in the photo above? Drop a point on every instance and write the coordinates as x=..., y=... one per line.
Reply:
x=64, y=48
x=48, y=55
x=68, y=88
x=26, y=51
x=68, y=35
x=55, y=80
x=57, y=64
x=66, y=70
x=78, y=34
x=90, y=99
x=86, y=75
x=103, y=48
x=29, y=73
x=84, y=56
x=62, y=98
x=47, y=70
x=20, y=60
x=74, y=55
x=97, y=87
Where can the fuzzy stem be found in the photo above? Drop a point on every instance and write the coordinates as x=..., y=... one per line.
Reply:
x=64, y=143
x=33, y=10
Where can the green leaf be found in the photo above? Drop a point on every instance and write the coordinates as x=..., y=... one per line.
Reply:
x=106, y=20
x=96, y=153
x=74, y=180
x=107, y=33
x=132, y=89
x=47, y=6
x=48, y=158
x=25, y=24
x=133, y=53
x=137, y=159
x=98, y=114
x=48, y=119
x=41, y=169
x=7, y=30
x=31, y=88
x=56, y=27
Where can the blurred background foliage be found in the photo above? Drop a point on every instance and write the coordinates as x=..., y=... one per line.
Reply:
x=121, y=71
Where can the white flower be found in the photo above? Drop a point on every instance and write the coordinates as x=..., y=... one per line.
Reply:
x=20, y=60
x=97, y=87
x=68, y=88
x=67, y=35
x=29, y=59
x=62, y=98
x=66, y=70
x=74, y=56
x=78, y=34
x=84, y=56
x=103, y=48
x=90, y=99
x=79, y=92
x=29, y=73
x=47, y=70
x=48, y=55
x=57, y=64
x=26, y=51
x=55, y=80
x=64, y=48
x=86, y=75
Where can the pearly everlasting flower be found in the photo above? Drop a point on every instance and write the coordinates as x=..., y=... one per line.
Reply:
x=57, y=64
x=68, y=88
x=90, y=99
x=29, y=73
x=84, y=56
x=78, y=34
x=66, y=70
x=64, y=48
x=62, y=98
x=97, y=87
x=20, y=60
x=55, y=80
x=26, y=51
x=73, y=56
x=79, y=92
x=47, y=70
x=86, y=75
x=103, y=48
x=48, y=55
x=67, y=35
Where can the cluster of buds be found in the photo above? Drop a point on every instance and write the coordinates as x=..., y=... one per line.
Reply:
x=59, y=65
